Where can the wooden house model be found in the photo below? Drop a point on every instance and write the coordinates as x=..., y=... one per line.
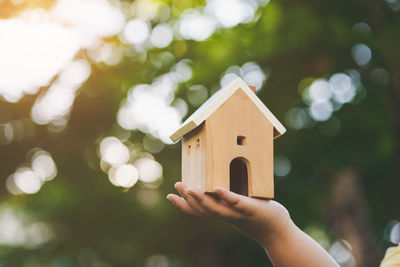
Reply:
x=228, y=142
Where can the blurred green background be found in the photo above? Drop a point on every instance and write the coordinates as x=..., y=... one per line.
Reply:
x=90, y=91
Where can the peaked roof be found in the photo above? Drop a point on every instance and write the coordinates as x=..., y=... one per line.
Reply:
x=215, y=101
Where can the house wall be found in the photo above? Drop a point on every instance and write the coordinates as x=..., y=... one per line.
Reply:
x=193, y=158
x=238, y=116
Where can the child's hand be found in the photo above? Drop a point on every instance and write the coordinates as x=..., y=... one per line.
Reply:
x=257, y=218
x=266, y=221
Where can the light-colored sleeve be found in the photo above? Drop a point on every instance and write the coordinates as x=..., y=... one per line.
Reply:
x=392, y=257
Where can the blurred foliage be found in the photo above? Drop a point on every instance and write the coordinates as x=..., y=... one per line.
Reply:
x=97, y=224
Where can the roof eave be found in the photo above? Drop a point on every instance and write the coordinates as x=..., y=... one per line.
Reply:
x=191, y=125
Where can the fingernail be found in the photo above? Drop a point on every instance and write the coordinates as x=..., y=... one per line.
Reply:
x=176, y=185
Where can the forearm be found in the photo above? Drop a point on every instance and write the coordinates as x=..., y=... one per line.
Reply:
x=292, y=247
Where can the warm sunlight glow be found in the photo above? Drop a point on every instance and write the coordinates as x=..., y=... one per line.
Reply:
x=149, y=170
x=17, y=229
x=91, y=18
x=195, y=25
x=230, y=13
x=113, y=151
x=148, y=107
x=125, y=175
x=161, y=36
x=34, y=51
x=136, y=31
x=41, y=44
x=27, y=181
x=250, y=72
x=44, y=166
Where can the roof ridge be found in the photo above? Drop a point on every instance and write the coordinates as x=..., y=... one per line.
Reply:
x=216, y=100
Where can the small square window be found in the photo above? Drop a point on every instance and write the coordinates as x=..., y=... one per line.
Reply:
x=241, y=140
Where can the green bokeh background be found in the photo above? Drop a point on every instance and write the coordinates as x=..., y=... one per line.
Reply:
x=97, y=224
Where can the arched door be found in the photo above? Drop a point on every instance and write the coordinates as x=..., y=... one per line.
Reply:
x=239, y=176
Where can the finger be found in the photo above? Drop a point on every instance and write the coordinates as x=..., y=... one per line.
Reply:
x=240, y=203
x=212, y=206
x=231, y=198
x=182, y=189
x=181, y=204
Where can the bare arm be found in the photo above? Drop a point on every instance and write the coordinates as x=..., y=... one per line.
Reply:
x=266, y=221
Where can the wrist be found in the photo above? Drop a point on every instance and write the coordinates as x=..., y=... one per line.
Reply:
x=279, y=231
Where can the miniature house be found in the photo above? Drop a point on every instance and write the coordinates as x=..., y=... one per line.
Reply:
x=228, y=142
